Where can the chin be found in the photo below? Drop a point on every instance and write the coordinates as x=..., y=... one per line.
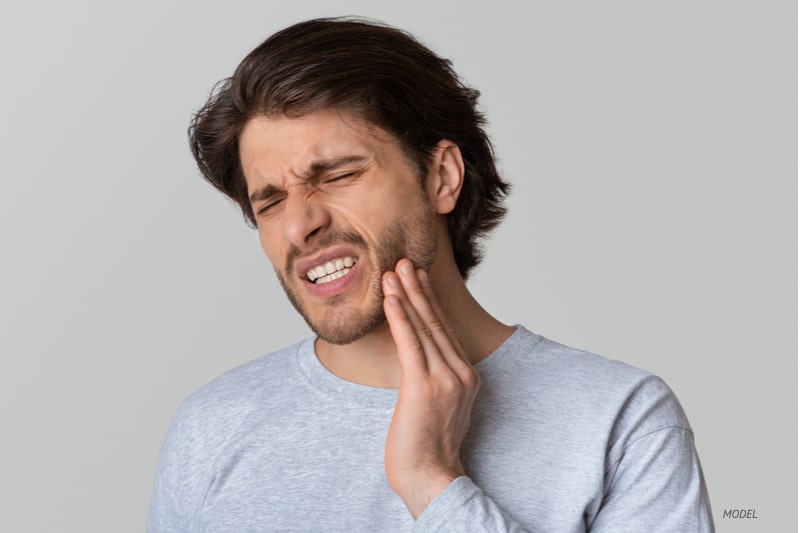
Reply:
x=337, y=322
x=348, y=329
x=344, y=338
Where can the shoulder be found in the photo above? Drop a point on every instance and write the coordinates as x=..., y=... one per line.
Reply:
x=240, y=388
x=212, y=414
x=209, y=419
x=205, y=423
x=577, y=385
x=529, y=356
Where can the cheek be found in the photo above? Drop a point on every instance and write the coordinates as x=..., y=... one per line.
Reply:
x=370, y=212
x=269, y=245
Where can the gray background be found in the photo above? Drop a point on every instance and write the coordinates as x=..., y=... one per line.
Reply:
x=652, y=150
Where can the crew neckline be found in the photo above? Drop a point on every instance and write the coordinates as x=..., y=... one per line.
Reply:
x=342, y=391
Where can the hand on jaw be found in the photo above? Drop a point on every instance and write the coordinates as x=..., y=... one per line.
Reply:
x=437, y=389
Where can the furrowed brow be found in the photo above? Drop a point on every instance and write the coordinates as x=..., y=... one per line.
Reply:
x=315, y=169
x=326, y=165
x=263, y=193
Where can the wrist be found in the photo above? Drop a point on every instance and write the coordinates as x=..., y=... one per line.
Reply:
x=419, y=493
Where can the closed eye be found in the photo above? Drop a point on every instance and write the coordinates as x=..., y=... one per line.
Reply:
x=338, y=177
x=269, y=205
x=343, y=177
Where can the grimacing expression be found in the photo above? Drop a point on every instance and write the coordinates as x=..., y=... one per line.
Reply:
x=337, y=204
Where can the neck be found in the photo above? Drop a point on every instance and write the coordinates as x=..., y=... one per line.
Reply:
x=372, y=359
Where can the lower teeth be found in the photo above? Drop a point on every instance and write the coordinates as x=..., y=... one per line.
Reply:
x=332, y=276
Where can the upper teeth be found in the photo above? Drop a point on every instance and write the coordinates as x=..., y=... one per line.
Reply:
x=331, y=270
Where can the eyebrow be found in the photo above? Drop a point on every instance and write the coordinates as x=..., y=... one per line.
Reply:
x=315, y=169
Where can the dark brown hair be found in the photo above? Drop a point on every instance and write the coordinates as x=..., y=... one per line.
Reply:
x=379, y=72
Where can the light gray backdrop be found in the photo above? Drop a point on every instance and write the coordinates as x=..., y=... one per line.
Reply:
x=652, y=147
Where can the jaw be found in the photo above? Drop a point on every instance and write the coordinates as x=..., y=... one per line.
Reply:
x=343, y=310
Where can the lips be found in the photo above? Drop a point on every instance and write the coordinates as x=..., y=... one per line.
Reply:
x=327, y=266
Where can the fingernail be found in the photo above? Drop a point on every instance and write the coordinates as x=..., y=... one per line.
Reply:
x=405, y=268
x=392, y=279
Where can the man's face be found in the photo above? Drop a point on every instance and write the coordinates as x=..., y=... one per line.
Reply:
x=337, y=203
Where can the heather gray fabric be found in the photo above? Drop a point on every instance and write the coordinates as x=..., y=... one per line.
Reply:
x=561, y=441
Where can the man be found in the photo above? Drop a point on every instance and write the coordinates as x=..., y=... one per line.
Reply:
x=362, y=161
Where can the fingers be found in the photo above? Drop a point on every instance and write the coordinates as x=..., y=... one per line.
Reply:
x=418, y=323
x=425, y=284
x=437, y=389
x=409, y=329
x=413, y=361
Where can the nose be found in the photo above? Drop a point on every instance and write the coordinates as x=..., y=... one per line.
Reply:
x=304, y=216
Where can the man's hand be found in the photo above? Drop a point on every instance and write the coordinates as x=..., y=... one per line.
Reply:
x=437, y=388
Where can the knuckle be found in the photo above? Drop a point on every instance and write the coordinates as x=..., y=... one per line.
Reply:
x=472, y=380
x=415, y=344
x=437, y=327
x=450, y=385
x=415, y=289
x=425, y=331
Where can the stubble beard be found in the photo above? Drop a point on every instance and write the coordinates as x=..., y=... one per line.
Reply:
x=343, y=323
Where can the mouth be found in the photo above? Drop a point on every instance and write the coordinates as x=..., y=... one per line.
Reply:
x=331, y=270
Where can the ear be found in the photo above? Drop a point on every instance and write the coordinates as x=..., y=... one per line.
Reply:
x=445, y=177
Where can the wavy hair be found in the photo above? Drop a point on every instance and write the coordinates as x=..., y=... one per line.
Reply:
x=379, y=72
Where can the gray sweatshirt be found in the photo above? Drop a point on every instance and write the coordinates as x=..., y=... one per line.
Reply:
x=560, y=441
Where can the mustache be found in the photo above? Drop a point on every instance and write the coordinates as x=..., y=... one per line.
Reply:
x=329, y=239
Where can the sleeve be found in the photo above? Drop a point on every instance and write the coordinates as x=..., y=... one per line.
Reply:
x=656, y=486
x=653, y=478
x=462, y=507
x=175, y=494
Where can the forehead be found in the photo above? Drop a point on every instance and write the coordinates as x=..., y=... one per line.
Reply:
x=270, y=145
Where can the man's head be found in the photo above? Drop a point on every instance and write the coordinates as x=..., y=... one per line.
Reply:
x=376, y=73
x=337, y=204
